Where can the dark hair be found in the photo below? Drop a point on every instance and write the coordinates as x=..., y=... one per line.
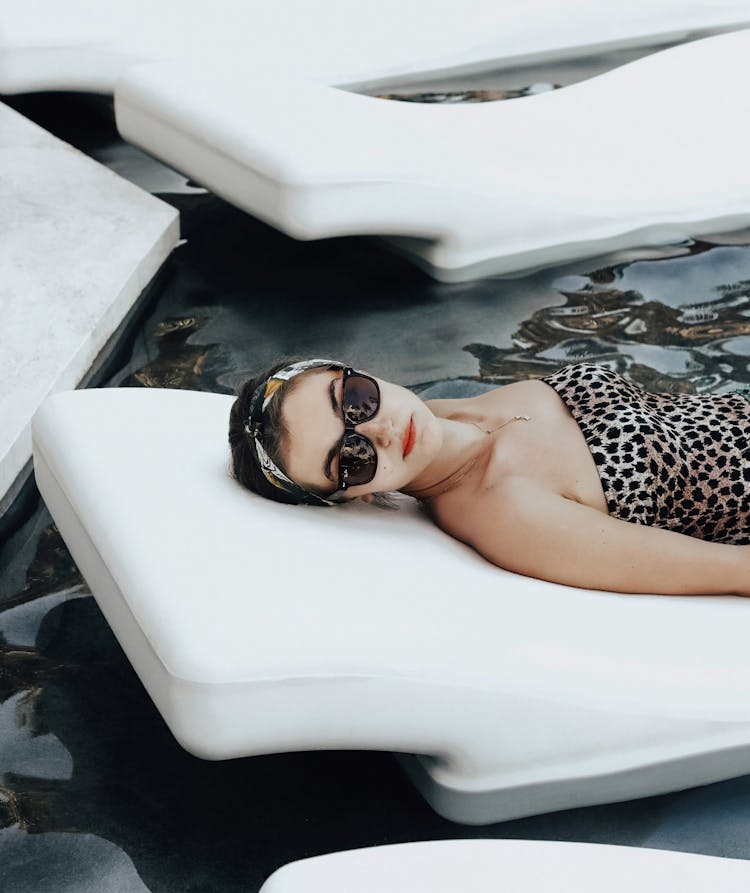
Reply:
x=245, y=466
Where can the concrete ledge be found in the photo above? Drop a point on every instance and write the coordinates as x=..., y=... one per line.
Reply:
x=78, y=246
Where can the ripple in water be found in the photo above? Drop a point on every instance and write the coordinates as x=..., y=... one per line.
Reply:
x=670, y=324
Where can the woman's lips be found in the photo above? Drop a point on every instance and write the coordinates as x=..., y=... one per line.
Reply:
x=410, y=436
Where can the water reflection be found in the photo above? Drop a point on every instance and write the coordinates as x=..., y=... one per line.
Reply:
x=25, y=748
x=453, y=97
x=178, y=364
x=68, y=863
x=675, y=324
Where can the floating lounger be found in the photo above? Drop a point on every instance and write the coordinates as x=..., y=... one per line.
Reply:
x=648, y=153
x=519, y=696
x=87, y=45
x=520, y=866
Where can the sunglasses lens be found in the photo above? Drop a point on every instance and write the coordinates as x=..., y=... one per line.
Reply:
x=361, y=399
x=358, y=461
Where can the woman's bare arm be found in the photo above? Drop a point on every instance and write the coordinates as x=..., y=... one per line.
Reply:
x=545, y=535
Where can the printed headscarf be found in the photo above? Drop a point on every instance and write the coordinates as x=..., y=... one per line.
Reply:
x=254, y=427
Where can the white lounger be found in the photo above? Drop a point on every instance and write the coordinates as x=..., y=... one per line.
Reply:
x=652, y=152
x=258, y=628
x=510, y=866
x=88, y=44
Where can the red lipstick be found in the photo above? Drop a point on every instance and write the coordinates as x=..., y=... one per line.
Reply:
x=410, y=436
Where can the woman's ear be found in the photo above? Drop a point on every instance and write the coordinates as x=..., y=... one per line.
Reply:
x=368, y=498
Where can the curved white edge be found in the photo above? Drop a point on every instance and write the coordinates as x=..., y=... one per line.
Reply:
x=91, y=45
x=510, y=205
x=521, y=866
x=457, y=799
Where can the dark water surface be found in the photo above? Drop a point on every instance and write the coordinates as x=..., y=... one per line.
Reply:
x=95, y=795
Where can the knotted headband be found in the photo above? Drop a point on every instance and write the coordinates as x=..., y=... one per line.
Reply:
x=254, y=427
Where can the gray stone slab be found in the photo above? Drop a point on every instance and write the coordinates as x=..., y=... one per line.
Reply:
x=78, y=244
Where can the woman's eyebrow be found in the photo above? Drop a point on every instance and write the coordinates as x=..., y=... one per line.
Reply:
x=332, y=395
x=334, y=448
x=327, y=464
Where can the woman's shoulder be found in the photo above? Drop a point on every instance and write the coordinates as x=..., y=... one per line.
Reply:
x=469, y=408
x=517, y=398
x=466, y=512
x=457, y=408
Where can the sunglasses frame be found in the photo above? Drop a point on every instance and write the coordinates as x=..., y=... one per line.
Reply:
x=350, y=427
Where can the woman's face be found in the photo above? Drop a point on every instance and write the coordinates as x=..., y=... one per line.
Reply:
x=404, y=432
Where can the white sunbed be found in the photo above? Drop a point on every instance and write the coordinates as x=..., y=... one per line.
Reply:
x=652, y=152
x=259, y=628
x=88, y=44
x=520, y=866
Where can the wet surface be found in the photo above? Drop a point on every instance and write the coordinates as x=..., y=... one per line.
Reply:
x=95, y=795
x=673, y=324
x=508, y=83
x=469, y=96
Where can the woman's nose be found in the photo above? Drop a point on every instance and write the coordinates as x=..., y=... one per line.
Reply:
x=379, y=430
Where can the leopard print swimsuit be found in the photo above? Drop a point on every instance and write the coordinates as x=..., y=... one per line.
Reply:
x=676, y=461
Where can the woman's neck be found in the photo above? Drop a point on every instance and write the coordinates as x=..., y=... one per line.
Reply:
x=462, y=446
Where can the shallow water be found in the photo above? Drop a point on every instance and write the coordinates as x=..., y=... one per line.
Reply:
x=94, y=792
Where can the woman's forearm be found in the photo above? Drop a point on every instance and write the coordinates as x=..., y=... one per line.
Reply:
x=740, y=571
x=553, y=538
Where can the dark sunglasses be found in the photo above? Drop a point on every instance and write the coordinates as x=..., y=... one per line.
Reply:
x=360, y=402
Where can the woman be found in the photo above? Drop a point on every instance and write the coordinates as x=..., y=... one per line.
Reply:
x=579, y=478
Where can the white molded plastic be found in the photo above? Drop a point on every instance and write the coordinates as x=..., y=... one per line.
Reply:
x=648, y=153
x=88, y=45
x=259, y=628
x=520, y=866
